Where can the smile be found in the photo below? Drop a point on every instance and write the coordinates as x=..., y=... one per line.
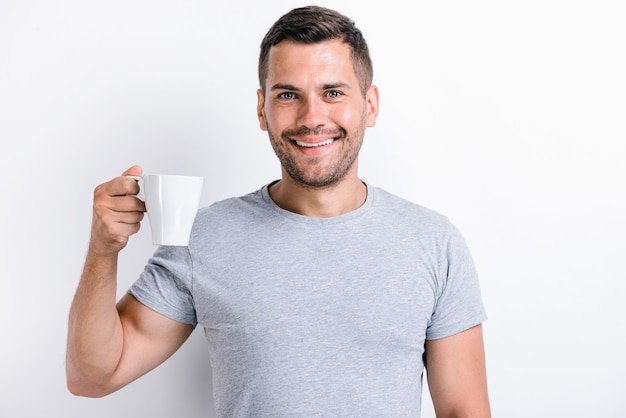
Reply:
x=314, y=145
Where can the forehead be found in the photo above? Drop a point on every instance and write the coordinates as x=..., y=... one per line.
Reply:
x=324, y=59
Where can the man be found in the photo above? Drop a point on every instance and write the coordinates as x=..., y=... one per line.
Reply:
x=319, y=294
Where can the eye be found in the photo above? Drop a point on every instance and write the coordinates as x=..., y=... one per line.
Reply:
x=287, y=95
x=333, y=94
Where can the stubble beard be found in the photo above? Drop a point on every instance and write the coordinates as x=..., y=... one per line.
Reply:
x=314, y=175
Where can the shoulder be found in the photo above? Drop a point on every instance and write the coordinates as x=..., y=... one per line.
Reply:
x=399, y=209
x=234, y=215
x=249, y=204
x=411, y=222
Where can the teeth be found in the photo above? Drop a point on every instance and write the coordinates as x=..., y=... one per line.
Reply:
x=319, y=144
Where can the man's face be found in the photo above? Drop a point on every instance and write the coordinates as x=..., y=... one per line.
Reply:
x=314, y=111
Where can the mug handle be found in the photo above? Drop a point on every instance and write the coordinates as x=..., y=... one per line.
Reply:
x=139, y=180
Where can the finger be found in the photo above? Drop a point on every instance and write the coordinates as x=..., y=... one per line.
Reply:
x=125, y=209
x=119, y=186
x=135, y=170
x=126, y=204
x=110, y=219
x=104, y=232
x=122, y=185
x=127, y=218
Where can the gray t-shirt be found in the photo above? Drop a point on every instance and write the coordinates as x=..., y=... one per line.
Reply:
x=309, y=317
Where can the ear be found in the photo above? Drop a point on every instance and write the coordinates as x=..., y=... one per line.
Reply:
x=260, y=111
x=372, y=104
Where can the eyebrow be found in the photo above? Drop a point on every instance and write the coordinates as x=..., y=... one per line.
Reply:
x=279, y=86
x=330, y=86
x=338, y=85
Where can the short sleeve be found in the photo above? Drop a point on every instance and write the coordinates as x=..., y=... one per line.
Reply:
x=165, y=284
x=458, y=304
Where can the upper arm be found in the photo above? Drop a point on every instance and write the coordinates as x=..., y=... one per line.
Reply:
x=455, y=368
x=149, y=338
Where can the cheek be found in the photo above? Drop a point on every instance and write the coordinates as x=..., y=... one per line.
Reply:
x=272, y=130
x=348, y=117
x=278, y=120
x=270, y=120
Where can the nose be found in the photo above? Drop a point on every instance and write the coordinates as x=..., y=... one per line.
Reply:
x=312, y=113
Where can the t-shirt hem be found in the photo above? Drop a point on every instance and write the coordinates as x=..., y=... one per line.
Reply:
x=160, y=309
x=457, y=328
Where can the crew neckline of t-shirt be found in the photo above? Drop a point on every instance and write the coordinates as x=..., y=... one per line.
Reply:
x=319, y=221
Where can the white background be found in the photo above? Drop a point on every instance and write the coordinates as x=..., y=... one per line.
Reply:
x=508, y=117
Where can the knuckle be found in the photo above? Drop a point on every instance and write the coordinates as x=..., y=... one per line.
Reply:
x=98, y=192
x=99, y=207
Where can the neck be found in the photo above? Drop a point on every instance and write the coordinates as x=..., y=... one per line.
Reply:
x=326, y=202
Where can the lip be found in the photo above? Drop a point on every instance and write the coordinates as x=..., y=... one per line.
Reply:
x=314, y=146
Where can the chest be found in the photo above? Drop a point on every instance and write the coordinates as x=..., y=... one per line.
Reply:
x=355, y=287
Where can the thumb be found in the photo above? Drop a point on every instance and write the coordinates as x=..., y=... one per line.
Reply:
x=133, y=171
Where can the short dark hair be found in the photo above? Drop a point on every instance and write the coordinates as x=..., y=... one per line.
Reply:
x=314, y=24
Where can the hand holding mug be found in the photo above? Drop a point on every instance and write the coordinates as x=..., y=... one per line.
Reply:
x=116, y=213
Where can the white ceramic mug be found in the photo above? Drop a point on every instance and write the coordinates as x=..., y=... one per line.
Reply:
x=172, y=203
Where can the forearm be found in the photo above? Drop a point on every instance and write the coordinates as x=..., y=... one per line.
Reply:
x=95, y=334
